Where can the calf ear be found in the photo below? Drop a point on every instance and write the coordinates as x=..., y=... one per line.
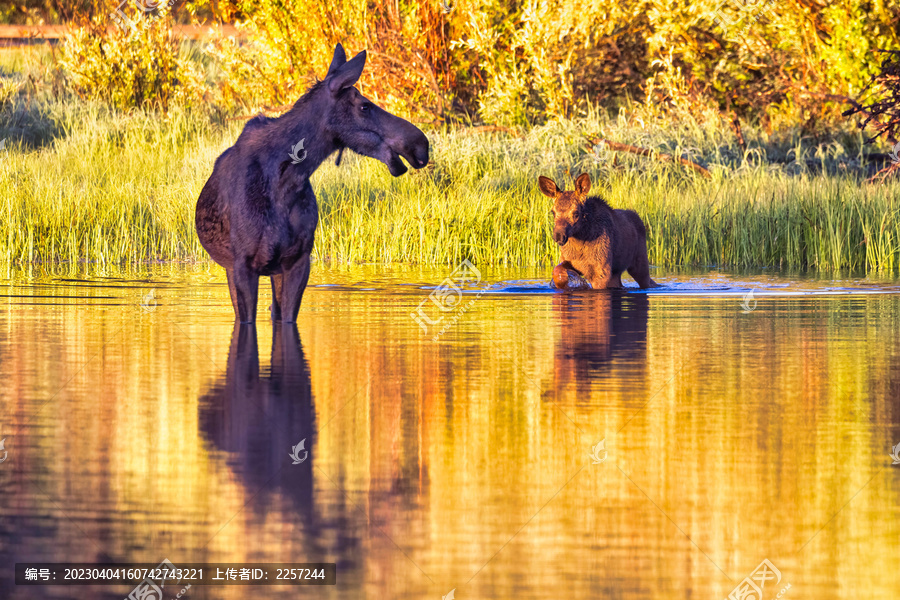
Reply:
x=583, y=184
x=340, y=57
x=347, y=74
x=548, y=186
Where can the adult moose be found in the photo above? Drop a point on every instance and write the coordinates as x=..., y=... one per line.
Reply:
x=257, y=214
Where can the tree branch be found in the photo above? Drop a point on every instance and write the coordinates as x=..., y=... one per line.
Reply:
x=645, y=152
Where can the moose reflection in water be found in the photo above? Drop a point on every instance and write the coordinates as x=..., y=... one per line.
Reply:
x=259, y=421
x=597, y=329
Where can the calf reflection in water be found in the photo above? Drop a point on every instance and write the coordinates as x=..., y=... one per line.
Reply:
x=598, y=330
x=260, y=421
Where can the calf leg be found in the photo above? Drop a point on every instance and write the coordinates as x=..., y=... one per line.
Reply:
x=295, y=280
x=640, y=270
x=602, y=277
x=246, y=287
x=561, y=274
x=276, y=297
x=560, y=277
x=615, y=281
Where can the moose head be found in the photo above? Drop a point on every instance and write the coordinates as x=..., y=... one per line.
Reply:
x=568, y=207
x=357, y=123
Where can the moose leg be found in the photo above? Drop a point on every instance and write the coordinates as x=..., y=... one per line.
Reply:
x=285, y=365
x=277, y=281
x=566, y=276
x=602, y=278
x=560, y=277
x=245, y=290
x=640, y=271
x=561, y=274
x=232, y=291
x=295, y=280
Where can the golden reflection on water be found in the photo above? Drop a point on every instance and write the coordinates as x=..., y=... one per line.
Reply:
x=462, y=463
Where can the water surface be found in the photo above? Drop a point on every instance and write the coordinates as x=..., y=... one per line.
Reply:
x=460, y=451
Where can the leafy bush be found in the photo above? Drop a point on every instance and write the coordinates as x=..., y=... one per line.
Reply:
x=292, y=42
x=135, y=66
x=427, y=60
x=779, y=62
x=526, y=62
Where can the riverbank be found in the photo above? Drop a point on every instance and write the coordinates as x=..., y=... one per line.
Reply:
x=83, y=182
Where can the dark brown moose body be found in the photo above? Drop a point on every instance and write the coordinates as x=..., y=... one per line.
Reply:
x=257, y=214
x=598, y=243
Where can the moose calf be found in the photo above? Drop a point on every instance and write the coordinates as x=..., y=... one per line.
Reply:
x=597, y=242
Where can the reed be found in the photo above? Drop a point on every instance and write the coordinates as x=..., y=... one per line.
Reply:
x=101, y=186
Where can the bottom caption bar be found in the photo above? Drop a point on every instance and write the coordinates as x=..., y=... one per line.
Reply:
x=150, y=576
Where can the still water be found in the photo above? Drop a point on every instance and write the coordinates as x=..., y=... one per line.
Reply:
x=520, y=444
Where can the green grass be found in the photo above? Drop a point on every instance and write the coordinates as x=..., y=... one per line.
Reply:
x=480, y=200
x=83, y=183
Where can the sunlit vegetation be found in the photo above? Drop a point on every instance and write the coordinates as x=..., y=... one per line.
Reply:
x=109, y=138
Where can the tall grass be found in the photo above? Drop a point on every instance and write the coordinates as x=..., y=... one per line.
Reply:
x=480, y=200
x=109, y=188
x=112, y=187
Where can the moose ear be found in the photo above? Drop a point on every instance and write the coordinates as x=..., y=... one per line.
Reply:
x=340, y=57
x=583, y=184
x=548, y=186
x=347, y=74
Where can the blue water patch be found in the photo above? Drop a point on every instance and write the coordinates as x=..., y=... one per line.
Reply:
x=699, y=287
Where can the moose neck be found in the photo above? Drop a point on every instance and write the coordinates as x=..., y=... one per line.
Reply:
x=305, y=122
x=595, y=220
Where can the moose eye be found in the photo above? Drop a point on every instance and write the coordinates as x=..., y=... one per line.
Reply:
x=365, y=107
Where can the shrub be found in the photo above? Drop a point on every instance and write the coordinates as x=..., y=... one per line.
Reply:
x=530, y=61
x=133, y=66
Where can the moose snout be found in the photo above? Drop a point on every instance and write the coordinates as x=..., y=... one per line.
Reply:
x=417, y=149
x=560, y=236
x=410, y=142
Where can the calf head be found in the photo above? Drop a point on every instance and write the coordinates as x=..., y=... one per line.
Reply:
x=568, y=207
x=357, y=123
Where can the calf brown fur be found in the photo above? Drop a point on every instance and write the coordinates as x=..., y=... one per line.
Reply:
x=597, y=242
